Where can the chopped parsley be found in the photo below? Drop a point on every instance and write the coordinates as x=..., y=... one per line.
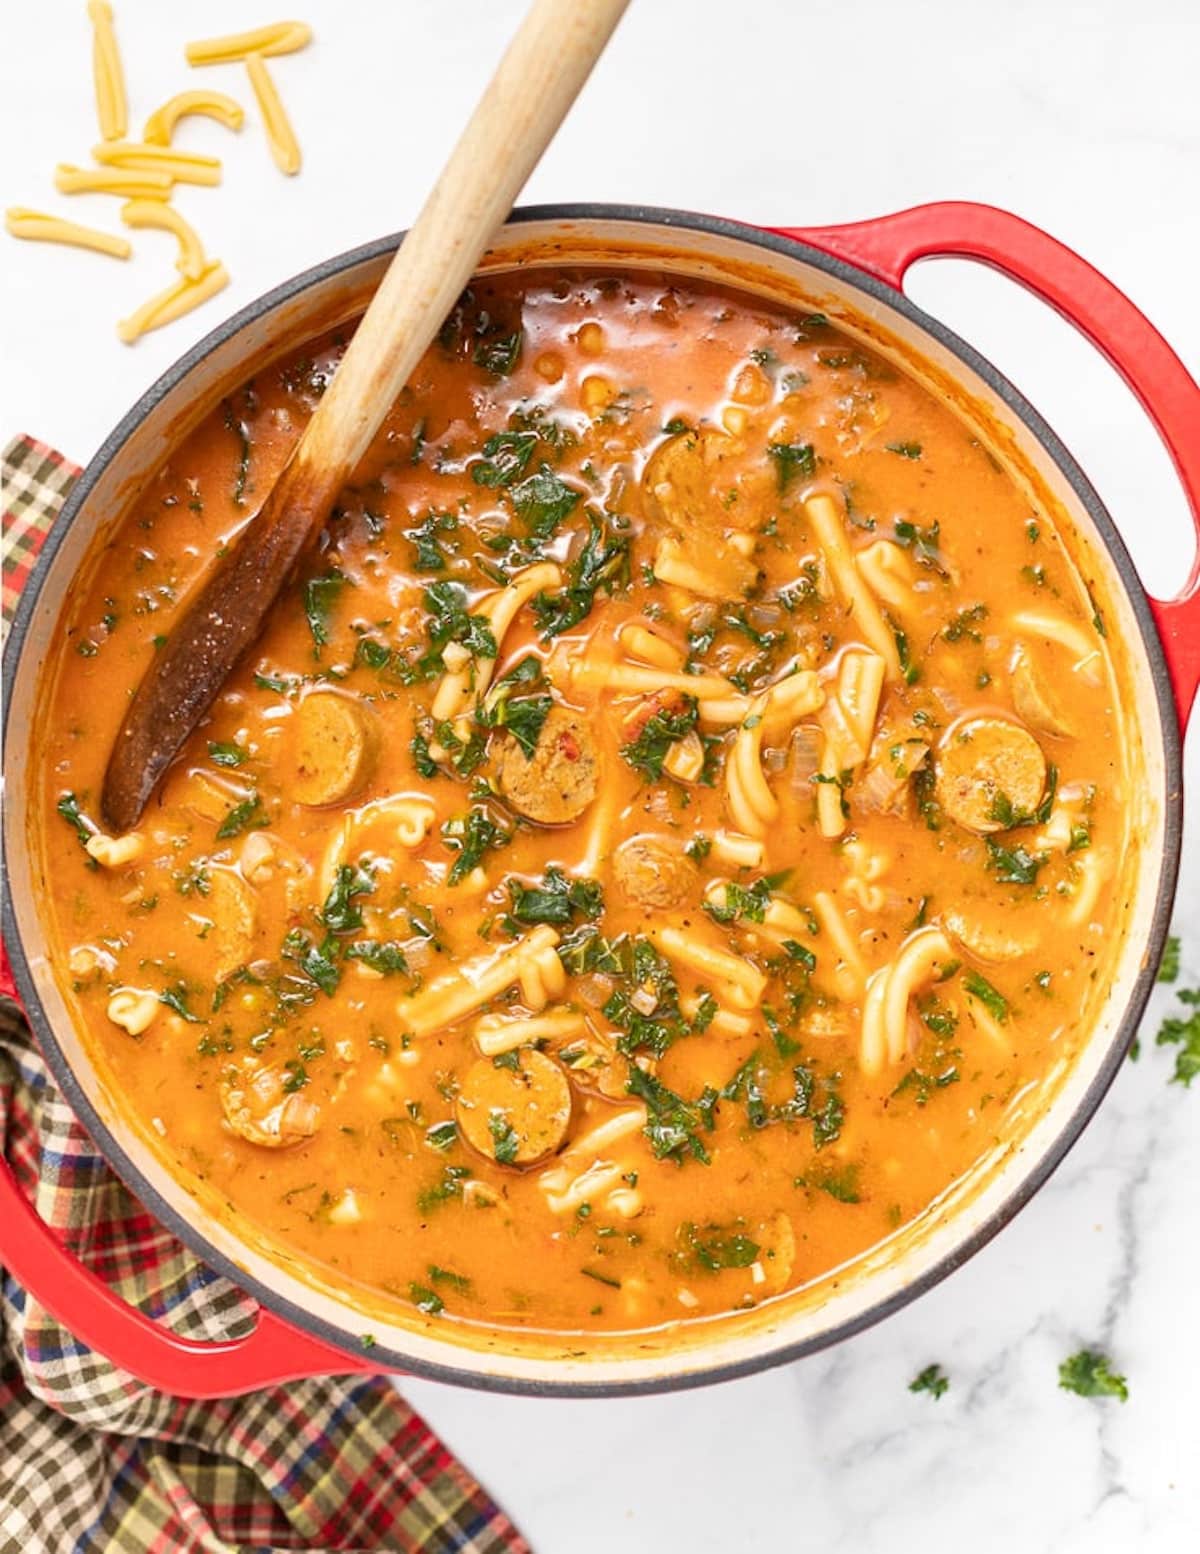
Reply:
x=68, y=808
x=1168, y=966
x=792, y=459
x=505, y=1142
x=992, y=999
x=712, y=1248
x=932, y=1380
x=1183, y=1033
x=1090, y=1375
x=542, y=501
x=498, y=354
x=222, y=753
x=386, y=957
x=905, y=450
x=505, y=455
x=1014, y=865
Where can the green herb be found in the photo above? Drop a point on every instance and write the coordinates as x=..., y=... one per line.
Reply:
x=992, y=999
x=426, y=1300
x=937, y=1016
x=523, y=716
x=558, y=900
x=924, y=784
x=68, y=808
x=341, y=914
x=792, y=459
x=242, y=433
x=923, y=542
x=319, y=596
x=648, y=751
x=1097, y=618
x=1032, y=532
x=699, y=847
x=839, y=1182
x=908, y=668
x=1184, y=1034
x=742, y=903
x=1090, y=1374
x=470, y=838
x=932, y=1379
x=226, y=754
x=176, y=998
x=385, y=957
x=317, y=962
x=447, y=1187
x=963, y=624
x=646, y=973
x=1168, y=966
x=455, y=1281
x=673, y=1124
x=442, y=1135
x=283, y=685
x=712, y=1248
x=1014, y=865
x=1080, y=838
x=542, y=501
x=905, y=450
x=1035, y=575
x=505, y=455
x=449, y=621
x=499, y=355
x=427, y=539
x=601, y=1278
x=249, y=815
x=602, y=563
x=426, y=766
x=505, y=1142
x=800, y=954
x=586, y=949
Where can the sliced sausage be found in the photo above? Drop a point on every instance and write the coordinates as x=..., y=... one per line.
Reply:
x=1034, y=700
x=231, y=906
x=558, y=781
x=516, y=1113
x=989, y=770
x=686, y=483
x=654, y=871
x=334, y=748
x=260, y=1110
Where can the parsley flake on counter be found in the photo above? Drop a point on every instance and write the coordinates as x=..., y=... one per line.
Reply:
x=932, y=1380
x=1089, y=1374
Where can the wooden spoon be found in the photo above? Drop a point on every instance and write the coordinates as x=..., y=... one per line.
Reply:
x=538, y=79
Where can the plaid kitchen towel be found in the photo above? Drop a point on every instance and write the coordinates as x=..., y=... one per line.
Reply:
x=94, y=1462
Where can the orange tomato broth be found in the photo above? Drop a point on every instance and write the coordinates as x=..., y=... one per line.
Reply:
x=807, y=1159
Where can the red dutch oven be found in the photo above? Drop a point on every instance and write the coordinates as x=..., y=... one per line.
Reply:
x=855, y=274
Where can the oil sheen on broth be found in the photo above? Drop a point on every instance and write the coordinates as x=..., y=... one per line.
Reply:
x=667, y=830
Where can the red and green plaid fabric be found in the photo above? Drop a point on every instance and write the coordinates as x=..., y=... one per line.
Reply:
x=94, y=1462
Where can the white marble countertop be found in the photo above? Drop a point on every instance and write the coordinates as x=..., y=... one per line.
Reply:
x=1082, y=118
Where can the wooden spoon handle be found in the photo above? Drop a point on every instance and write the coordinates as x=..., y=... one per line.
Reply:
x=537, y=80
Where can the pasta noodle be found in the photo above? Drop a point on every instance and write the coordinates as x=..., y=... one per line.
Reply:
x=173, y=303
x=531, y=960
x=588, y=672
x=499, y=609
x=739, y=850
x=888, y=573
x=165, y=218
x=848, y=720
x=411, y=814
x=752, y=805
x=826, y=520
x=923, y=955
x=37, y=227
x=722, y=572
x=180, y=166
x=498, y=1033
x=160, y=126
x=850, y=972
x=281, y=137
x=133, y=183
x=111, y=112
x=277, y=38
x=649, y=648
x=742, y=983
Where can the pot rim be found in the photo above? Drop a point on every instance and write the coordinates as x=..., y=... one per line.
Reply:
x=772, y=1353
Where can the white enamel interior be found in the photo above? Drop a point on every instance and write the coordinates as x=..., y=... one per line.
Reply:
x=644, y=1360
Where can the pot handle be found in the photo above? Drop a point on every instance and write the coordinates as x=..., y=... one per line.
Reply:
x=95, y=1315
x=887, y=246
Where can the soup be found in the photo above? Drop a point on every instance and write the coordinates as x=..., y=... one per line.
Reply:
x=671, y=832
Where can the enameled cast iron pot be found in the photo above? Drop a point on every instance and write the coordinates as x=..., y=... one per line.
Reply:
x=854, y=273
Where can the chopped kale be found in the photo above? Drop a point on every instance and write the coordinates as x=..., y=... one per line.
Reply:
x=384, y=956
x=445, y=1189
x=992, y=999
x=425, y=1299
x=505, y=1142
x=176, y=998
x=341, y=913
x=1014, y=865
x=792, y=459
x=470, y=837
x=319, y=596
x=222, y=753
x=559, y=900
x=905, y=450
x=505, y=455
x=499, y=354
x=427, y=539
x=249, y=815
x=712, y=1248
x=68, y=808
x=673, y=1125
x=449, y=621
x=543, y=501
x=1183, y=1034
x=1168, y=966
x=648, y=751
x=602, y=563
x=964, y=623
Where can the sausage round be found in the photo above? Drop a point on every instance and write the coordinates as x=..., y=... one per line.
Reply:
x=558, y=781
